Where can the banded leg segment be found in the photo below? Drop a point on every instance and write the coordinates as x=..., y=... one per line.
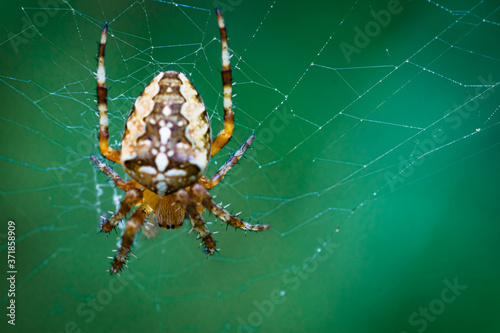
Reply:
x=223, y=137
x=132, y=198
x=199, y=191
x=196, y=220
x=211, y=183
x=133, y=225
x=102, y=103
x=114, y=176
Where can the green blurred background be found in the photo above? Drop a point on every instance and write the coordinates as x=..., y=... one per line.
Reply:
x=376, y=163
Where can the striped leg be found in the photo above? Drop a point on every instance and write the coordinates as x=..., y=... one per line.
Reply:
x=210, y=183
x=125, y=186
x=133, y=225
x=133, y=196
x=199, y=191
x=102, y=102
x=226, y=134
x=196, y=220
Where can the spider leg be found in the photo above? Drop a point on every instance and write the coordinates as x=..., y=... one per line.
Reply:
x=223, y=137
x=196, y=220
x=199, y=191
x=210, y=183
x=133, y=225
x=102, y=103
x=114, y=176
x=133, y=196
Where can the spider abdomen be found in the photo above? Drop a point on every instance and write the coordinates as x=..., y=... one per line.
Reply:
x=166, y=142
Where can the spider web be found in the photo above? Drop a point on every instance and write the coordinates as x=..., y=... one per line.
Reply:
x=376, y=165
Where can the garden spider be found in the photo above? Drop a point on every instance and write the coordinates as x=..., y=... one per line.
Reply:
x=165, y=149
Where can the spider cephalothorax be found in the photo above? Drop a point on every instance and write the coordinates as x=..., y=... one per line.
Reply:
x=166, y=147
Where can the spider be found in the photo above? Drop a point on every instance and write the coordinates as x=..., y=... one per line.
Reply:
x=165, y=149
